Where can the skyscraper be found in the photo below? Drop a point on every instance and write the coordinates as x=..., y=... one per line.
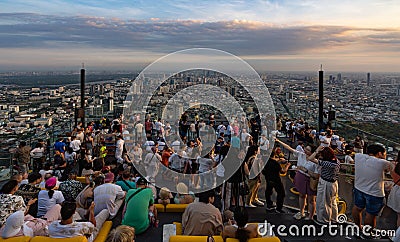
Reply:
x=368, y=79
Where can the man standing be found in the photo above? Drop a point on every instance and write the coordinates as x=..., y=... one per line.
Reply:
x=22, y=154
x=202, y=218
x=369, y=185
x=119, y=148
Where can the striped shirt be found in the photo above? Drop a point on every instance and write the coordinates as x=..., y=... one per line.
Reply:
x=329, y=170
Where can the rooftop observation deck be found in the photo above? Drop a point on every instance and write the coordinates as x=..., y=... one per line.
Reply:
x=387, y=220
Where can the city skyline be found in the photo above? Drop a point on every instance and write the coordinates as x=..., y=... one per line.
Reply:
x=356, y=36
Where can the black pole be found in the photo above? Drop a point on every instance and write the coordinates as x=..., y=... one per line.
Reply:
x=83, y=96
x=321, y=100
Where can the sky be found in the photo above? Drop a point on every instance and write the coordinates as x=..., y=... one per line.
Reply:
x=278, y=35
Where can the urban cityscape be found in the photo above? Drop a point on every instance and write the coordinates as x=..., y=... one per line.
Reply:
x=217, y=121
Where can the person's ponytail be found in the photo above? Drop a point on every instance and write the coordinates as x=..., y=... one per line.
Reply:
x=51, y=193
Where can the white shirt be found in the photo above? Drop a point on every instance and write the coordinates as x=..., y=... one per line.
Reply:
x=75, y=145
x=264, y=143
x=57, y=230
x=119, y=148
x=45, y=203
x=139, y=128
x=105, y=196
x=302, y=161
x=149, y=144
x=369, y=174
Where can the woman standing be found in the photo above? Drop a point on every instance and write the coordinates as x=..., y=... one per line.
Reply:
x=394, y=195
x=327, y=191
x=305, y=170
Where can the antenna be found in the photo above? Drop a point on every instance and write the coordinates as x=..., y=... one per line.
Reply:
x=83, y=65
x=321, y=68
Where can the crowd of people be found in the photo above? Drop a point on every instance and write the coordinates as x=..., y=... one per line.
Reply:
x=121, y=163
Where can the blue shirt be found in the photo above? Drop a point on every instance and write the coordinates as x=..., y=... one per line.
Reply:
x=124, y=185
x=60, y=146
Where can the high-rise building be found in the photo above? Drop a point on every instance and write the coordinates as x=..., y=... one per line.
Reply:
x=110, y=104
x=339, y=77
x=368, y=79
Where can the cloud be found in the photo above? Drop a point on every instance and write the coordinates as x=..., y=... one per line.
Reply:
x=154, y=37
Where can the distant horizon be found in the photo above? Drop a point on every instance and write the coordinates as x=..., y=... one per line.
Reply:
x=125, y=71
x=356, y=36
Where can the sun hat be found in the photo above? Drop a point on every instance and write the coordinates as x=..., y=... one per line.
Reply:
x=13, y=224
x=182, y=188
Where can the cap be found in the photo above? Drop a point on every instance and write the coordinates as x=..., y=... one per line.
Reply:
x=182, y=188
x=51, y=182
x=13, y=224
x=109, y=177
x=141, y=181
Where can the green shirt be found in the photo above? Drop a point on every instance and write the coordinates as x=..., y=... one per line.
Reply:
x=137, y=210
x=125, y=187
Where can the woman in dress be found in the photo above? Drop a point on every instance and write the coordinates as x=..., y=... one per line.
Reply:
x=305, y=170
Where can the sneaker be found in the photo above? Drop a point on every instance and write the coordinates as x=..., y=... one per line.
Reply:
x=258, y=203
x=280, y=211
x=271, y=207
x=299, y=216
x=197, y=187
x=250, y=206
x=308, y=218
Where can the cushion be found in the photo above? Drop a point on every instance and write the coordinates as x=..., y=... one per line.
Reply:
x=103, y=233
x=176, y=208
x=160, y=208
x=179, y=230
x=16, y=239
x=48, y=239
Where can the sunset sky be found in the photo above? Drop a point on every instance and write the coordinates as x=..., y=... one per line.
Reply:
x=358, y=35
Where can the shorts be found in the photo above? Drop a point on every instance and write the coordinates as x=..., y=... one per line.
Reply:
x=372, y=204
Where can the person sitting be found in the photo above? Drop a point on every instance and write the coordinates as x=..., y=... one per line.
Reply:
x=31, y=191
x=42, y=184
x=121, y=233
x=126, y=183
x=164, y=196
x=108, y=196
x=139, y=205
x=202, y=218
x=71, y=187
x=241, y=230
x=67, y=228
x=49, y=197
x=11, y=203
x=19, y=225
x=183, y=196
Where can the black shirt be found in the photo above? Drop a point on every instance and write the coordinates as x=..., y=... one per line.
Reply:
x=272, y=170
